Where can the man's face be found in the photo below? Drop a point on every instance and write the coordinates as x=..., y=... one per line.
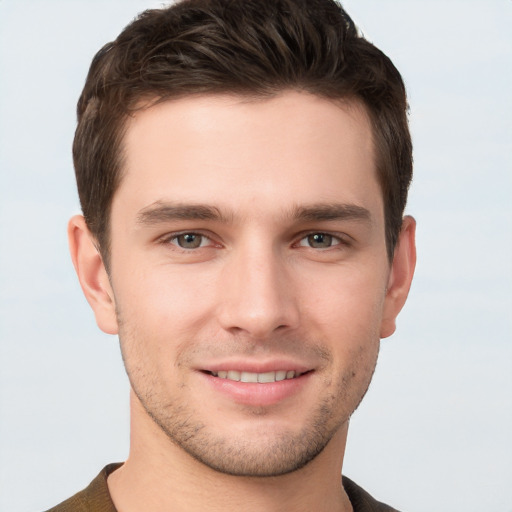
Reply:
x=249, y=274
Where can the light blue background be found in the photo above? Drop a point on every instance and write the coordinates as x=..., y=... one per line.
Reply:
x=434, y=432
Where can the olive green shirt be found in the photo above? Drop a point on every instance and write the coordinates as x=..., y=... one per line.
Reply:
x=96, y=497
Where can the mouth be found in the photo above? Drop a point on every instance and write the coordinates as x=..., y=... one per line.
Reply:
x=262, y=378
x=261, y=386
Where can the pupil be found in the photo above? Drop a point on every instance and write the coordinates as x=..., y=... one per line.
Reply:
x=320, y=240
x=189, y=241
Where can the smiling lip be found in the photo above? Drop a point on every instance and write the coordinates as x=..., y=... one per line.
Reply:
x=257, y=386
x=261, y=377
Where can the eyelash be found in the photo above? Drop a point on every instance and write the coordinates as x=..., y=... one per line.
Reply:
x=339, y=239
x=336, y=239
x=174, y=236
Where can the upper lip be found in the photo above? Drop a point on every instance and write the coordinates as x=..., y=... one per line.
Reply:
x=257, y=366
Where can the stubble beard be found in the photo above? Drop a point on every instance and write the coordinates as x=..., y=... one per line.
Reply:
x=246, y=455
x=249, y=454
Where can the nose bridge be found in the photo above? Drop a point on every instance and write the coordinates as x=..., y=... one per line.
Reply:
x=256, y=292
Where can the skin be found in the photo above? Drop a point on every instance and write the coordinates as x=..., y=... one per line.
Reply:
x=244, y=235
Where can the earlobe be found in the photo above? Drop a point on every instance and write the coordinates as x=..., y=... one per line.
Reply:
x=400, y=276
x=92, y=274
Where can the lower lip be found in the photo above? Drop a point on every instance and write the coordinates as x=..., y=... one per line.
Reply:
x=256, y=394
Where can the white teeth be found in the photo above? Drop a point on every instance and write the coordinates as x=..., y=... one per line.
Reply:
x=248, y=377
x=256, y=377
x=233, y=375
x=280, y=375
x=267, y=377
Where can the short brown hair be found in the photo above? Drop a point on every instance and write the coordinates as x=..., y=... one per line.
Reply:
x=248, y=47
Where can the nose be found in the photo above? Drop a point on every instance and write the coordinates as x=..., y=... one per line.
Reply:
x=257, y=294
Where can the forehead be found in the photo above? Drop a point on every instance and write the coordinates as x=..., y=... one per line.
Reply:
x=249, y=155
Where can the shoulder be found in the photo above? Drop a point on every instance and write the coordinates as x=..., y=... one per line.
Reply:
x=361, y=500
x=94, y=498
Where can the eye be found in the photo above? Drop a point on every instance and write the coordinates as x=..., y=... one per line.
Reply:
x=319, y=241
x=190, y=240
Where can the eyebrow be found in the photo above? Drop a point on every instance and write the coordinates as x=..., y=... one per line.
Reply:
x=160, y=212
x=333, y=211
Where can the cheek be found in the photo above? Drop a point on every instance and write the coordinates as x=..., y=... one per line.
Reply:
x=347, y=316
x=350, y=301
x=162, y=312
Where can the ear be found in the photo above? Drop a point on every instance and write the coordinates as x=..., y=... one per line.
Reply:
x=400, y=276
x=92, y=274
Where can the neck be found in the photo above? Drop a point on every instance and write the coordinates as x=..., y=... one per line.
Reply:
x=158, y=476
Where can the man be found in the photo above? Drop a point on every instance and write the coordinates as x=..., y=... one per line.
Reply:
x=243, y=169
